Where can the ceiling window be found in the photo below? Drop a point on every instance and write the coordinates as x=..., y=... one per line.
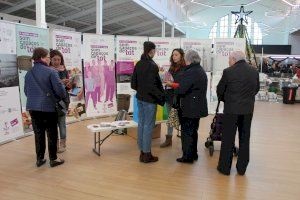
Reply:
x=226, y=28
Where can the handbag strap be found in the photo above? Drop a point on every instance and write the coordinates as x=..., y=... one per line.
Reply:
x=217, y=110
x=42, y=88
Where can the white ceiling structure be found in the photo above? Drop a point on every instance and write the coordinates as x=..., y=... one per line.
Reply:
x=122, y=17
x=125, y=17
x=273, y=16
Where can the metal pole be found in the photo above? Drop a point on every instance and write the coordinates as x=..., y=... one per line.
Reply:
x=40, y=13
x=163, y=28
x=99, y=16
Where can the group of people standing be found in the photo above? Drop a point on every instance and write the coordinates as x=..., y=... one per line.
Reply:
x=48, y=81
x=187, y=94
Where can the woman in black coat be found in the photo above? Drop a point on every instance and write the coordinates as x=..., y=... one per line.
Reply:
x=191, y=88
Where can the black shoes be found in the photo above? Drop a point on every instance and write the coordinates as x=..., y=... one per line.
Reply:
x=40, y=162
x=185, y=160
x=54, y=163
x=195, y=157
x=222, y=172
x=241, y=173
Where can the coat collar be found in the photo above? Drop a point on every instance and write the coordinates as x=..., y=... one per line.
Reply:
x=41, y=62
x=192, y=65
x=240, y=61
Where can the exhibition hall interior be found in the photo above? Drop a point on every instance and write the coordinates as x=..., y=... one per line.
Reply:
x=149, y=99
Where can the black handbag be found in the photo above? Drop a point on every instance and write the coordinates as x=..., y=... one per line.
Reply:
x=61, y=107
x=176, y=101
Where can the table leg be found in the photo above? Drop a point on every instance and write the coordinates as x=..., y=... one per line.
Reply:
x=96, y=142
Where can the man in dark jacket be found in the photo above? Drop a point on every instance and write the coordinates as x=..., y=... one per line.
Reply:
x=237, y=88
x=146, y=81
x=191, y=88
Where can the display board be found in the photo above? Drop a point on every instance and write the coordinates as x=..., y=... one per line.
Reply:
x=10, y=107
x=27, y=39
x=204, y=49
x=99, y=75
x=129, y=50
x=222, y=49
x=69, y=44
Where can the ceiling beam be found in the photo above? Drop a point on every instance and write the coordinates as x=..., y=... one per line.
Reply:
x=148, y=31
x=75, y=16
x=66, y=4
x=88, y=11
x=47, y=14
x=115, y=20
x=136, y=26
x=20, y=6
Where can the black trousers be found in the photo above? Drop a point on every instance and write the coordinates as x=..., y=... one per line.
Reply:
x=189, y=136
x=45, y=123
x=230, y=124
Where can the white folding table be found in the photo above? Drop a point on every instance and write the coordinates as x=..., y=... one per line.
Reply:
x=96, y=129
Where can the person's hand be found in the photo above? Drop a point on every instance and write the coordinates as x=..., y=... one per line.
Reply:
x=66, y=81
x=169, y=83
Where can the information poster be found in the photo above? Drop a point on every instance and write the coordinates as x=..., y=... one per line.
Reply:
x=99, y=75
x=222, y=49
x=27, y=39
x=129, y=51
x=69, y=44
x=164, y=48
x=10, y=108
x=204, y=49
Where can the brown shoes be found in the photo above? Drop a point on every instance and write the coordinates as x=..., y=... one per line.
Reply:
x=167, y=142
x=147, y=157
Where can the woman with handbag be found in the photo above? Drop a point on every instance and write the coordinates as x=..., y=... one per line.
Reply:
x=177, y=64
x=43, y=89
x=58, y=63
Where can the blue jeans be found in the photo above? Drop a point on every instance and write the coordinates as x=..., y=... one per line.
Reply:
x=146, y=123
x=170, y=129
x=62, y=127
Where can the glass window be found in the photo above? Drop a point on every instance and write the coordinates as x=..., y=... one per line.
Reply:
x=224, y=27
x=227, y=28
x=213, y=31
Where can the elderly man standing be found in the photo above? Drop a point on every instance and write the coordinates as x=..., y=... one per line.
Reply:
x=191, y=89
x=237, y=88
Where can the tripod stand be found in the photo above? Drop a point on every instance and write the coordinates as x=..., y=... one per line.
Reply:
x=241, y=32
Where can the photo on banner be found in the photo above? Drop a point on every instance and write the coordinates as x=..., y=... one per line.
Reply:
x=69, y=44
x=99, y=75
x=10, y=108
x=129, y=51
x=27, y=39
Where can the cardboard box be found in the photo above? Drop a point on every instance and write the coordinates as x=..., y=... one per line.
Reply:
x=132, y=132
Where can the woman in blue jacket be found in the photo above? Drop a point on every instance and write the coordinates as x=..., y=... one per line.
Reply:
x=42, y=82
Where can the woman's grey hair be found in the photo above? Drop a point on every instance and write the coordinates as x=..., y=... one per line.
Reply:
x=238, y=55
x=192, y=56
